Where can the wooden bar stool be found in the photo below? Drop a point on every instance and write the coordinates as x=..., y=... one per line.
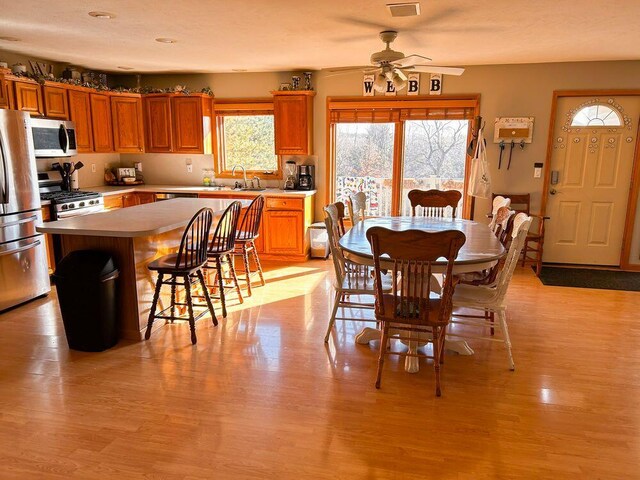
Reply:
x=221, y=248
x=182, y=268
x=246, y=235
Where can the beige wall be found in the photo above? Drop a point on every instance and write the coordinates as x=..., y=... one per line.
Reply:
x=11, y=58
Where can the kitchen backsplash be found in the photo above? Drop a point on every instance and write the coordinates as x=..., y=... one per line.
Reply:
x=86, y=177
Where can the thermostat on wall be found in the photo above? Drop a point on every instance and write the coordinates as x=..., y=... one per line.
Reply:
x=516, y=129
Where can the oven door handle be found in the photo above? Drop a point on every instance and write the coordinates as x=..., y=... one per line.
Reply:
x=18, y=222
x=64, y=140
x=20, y=249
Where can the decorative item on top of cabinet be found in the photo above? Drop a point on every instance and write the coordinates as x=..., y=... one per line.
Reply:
x=293, y=117
x=101, y=122
x=80, y=114
x=56, y=104
x=128, y=130
x=28, y=96
x=191, y=117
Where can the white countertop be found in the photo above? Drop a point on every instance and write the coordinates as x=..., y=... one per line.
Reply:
x=139, y=221
x=269, y=192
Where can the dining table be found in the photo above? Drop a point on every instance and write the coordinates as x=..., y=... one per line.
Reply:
x=481, y=251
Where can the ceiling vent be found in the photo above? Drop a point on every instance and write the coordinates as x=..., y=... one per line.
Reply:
x=404, y=9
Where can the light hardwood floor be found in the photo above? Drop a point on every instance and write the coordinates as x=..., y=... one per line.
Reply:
x=261, y=397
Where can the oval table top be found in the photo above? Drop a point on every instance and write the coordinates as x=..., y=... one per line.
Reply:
x=481, y=250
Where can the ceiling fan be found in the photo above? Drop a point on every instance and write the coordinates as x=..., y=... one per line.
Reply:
x=391, y=65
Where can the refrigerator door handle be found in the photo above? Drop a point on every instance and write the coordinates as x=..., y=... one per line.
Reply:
x=4, y=186
x=18, y=222
x=64, y=140
x=20, y=249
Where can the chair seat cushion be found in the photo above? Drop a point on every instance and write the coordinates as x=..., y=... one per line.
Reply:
x=167, y=263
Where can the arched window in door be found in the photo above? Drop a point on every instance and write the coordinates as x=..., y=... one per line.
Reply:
x=596, y=116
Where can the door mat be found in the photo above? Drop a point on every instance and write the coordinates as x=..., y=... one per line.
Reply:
x=590, y=278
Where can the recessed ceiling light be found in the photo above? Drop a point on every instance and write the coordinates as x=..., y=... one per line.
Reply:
x=10, y=39
x=238, y=69
x=165, y=40
x=409, y=9
x=125, y=68
x=102, y=15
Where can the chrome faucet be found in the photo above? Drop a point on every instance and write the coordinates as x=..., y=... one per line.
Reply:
x=244, y=173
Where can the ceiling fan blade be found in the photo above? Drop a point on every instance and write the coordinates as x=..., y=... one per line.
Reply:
x=457, y=71
x=349, y=69
x=343, y=71
x=410, y=61
x=363, y=23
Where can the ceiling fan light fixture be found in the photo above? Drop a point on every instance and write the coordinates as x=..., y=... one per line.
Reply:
x=399, y=80
x=380, y=83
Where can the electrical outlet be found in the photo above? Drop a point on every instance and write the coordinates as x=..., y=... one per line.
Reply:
x=93, y=168
x=189, y=168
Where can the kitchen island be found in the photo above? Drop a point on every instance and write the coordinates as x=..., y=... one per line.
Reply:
x=135, y=236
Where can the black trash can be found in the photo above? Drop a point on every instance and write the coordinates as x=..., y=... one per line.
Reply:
x=86, y=284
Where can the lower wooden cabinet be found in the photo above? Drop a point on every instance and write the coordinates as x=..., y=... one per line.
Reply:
x=285, y=233
x=113, y=202
x=48, y=239
x=124, y=200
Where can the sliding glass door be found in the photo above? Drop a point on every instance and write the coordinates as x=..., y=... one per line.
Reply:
x=364, y=163
x=434, y=157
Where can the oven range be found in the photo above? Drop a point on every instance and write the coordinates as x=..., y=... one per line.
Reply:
x=66, y=204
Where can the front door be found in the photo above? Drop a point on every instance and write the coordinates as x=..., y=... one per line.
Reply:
x=591, y=163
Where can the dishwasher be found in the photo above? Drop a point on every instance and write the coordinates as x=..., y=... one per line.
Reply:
x=168, y=196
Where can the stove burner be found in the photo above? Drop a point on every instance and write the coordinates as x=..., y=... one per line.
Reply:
x=63, y=197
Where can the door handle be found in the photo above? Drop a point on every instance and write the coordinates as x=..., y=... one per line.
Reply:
x=4, y=187
x=65, y=144
x=20, y=249
x=553, y=191
x=18, y=222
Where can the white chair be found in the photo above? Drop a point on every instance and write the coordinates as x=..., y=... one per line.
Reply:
x=350, y=278
x=357, y=207
x=490, y=299
x=498, y=202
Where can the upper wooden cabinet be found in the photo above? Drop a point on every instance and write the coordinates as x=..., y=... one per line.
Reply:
x=191, y=117
x=178, y=123
x=4, y=92
x=101, y=122
x=56, y=103
x=128, y=129
x=80, y=114
x=28, y=96
x=293, y=117
x=157, y=110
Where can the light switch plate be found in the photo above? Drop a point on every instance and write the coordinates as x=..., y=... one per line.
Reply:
x=189, y=168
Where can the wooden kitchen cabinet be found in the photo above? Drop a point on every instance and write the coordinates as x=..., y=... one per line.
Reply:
x=56, y=102
x=159, y=132
x=28, y=97
x=191, y=122
x=293, y=122
x=128, y=130
x=4, y=90
x=145, y=197
x=113, y=202
x=283, y=232
x=80, y=114
x=48, y=240
x=101, y=122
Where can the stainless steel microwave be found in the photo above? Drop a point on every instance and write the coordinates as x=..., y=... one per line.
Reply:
x=53, y=138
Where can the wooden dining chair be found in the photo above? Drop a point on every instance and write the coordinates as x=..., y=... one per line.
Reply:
x=339, y=218
x=220, y=253
x=434, y=203
x=357, y=207
x=498, y=203
x=246, y=234
x=350, y=279
x=182, y=269
x=491, y=298
x=535, y=239
x=409, y=308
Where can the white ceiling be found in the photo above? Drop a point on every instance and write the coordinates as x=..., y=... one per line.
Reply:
x=279, y=35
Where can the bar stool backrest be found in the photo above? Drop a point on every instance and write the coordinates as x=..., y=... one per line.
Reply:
x=193, y=246
x=250, y=225
x=224, y=237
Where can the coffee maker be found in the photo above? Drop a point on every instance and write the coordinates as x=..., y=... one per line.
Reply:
x=290, y=171
x=306, y=177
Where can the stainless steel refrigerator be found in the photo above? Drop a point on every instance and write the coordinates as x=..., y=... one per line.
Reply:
x=23, y=257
